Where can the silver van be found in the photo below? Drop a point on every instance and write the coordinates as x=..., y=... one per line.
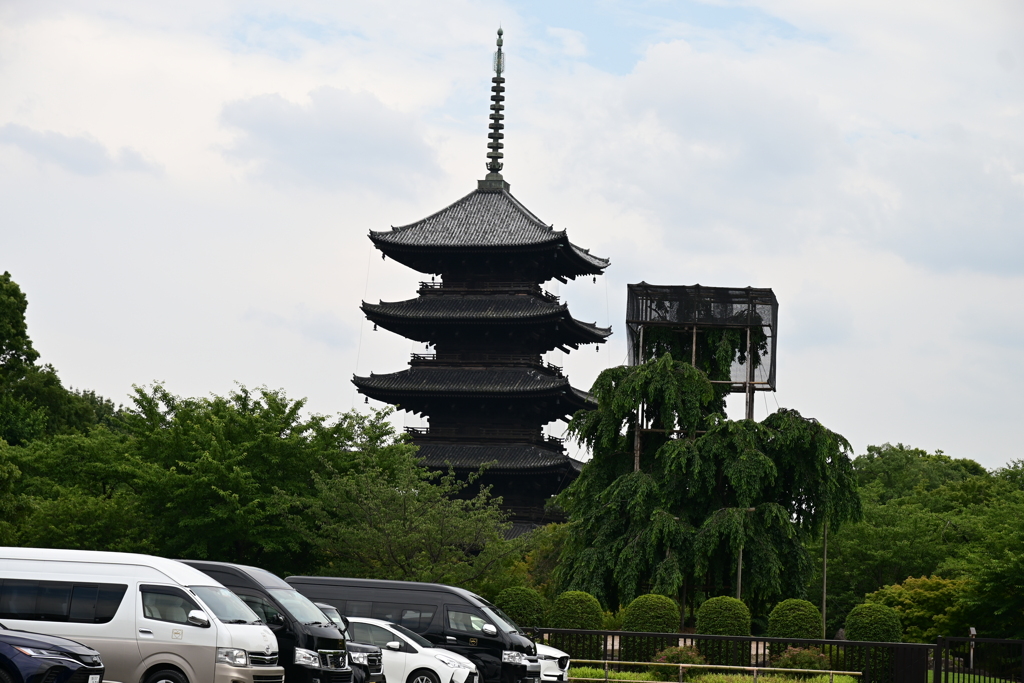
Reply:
x=152, y=620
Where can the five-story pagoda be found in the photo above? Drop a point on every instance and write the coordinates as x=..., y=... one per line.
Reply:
x=486, y=390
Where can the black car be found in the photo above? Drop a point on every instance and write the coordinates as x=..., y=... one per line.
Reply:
x=36, y=658
x=311, y=648
x=451, y=618
x=364, y=658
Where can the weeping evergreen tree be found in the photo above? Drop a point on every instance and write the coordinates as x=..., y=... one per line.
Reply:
x=704, y=490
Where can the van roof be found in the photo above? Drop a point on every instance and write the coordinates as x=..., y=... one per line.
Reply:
x=383, y=583
x=176, y=571
x=261, y=577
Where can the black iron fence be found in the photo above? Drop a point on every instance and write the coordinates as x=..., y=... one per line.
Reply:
x=950, y=660
x=978, y=660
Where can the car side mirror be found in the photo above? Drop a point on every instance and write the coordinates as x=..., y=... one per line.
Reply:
x=275, y=620
x=393, y=645
x=489, y=630
x=197, y=617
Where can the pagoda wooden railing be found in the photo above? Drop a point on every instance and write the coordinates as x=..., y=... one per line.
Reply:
x=486, y=358
x=504, y=434
x=487, y=287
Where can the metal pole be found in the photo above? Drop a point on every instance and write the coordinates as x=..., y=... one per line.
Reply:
x=693, y=347
x=824, y=580
x=739, y=575
x=750, y=378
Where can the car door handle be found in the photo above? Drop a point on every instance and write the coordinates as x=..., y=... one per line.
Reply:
x=451, y=640
x=145, y=632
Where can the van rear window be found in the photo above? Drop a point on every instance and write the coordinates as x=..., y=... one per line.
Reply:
x=90, y=603
x=413, y=617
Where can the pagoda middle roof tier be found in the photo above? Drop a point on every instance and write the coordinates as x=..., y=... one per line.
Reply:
x=425, y=389
x=427, y=318
x=486, y=222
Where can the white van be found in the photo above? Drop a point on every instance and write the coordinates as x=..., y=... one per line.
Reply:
x=153, y=620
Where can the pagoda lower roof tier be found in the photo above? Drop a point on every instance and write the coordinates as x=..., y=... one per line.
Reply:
x=513, y=458
x=488, y=233
x=529, y=324
x=480, y=395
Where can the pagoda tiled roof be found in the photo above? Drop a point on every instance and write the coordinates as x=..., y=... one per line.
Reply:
x=486, y=381
x=514, y=457
x=481, y=220
x=482, y=308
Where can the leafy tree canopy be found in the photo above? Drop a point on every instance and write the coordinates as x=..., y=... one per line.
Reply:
x=697, y=498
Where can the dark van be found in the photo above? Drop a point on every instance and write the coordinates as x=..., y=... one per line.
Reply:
x=311, y=648
x=449, y=617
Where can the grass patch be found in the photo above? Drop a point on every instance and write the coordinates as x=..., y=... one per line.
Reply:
x=594, y=672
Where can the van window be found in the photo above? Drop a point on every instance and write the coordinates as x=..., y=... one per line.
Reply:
x=465, y=622
x=358, y=608
x=166, y=604
x=415, y=617
x=93, y=603
x=263, y=608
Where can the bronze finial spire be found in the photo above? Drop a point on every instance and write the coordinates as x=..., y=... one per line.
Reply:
x=494, y=181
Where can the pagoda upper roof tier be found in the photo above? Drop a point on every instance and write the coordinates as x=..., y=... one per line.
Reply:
x=513, y=458
x=487, y=222
x=546, y=396
x=540, y=322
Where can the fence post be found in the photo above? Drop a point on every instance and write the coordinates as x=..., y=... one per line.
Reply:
x=938, y=664
x=606, y=671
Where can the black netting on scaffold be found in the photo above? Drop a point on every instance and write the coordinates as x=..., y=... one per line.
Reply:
x=663, y=317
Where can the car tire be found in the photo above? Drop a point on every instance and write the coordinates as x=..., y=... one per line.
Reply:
x=423, y=676
x=5, y=677
x=166, y=676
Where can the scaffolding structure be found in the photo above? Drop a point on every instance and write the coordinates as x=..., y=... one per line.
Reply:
x=690, y=312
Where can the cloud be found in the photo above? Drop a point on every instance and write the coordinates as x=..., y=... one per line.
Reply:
x=574, y=43
x=322, y=327
x=81, y=154
x=340, y=138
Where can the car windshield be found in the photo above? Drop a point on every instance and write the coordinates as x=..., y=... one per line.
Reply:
x=227, y=606
x=334, y=615
x=414, y=637
x=299, y=606
x=503, y=620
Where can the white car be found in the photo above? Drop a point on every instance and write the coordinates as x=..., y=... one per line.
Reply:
x=409, y=657
x=554, y=664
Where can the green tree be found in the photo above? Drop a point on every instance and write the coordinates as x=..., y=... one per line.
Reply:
x=229, y=477
x=928, y=607
x=697, y=501
x=33, y=402
x=382, y=515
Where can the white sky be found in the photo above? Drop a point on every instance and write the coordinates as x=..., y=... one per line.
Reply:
x=186, y=187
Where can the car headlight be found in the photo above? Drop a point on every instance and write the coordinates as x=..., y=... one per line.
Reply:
x=38, y=652
x=513, y=657
x=358, y=658
x=449, y=662
x=232, y=656
x=306, y=657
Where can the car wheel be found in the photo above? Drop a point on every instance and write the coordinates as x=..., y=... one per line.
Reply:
x=423, y=676
x=166, y=676
x=5, y=677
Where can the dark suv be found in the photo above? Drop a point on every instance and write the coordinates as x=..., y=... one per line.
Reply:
x=36, y=658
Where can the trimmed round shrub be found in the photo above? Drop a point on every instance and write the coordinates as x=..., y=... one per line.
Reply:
x=873, y=622
x=650, y=613
x=524, y=605
x=686, y=654
x=795, y=619
x=654, y=613
x=723, y=616
x=577, y=610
